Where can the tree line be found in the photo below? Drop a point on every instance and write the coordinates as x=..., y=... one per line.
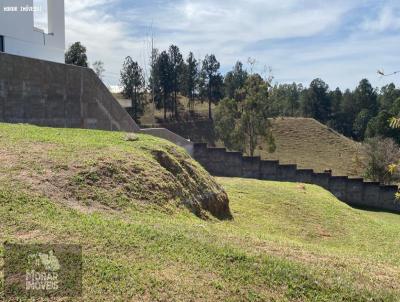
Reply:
x=360, y=113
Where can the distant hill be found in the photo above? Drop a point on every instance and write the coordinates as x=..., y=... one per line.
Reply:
x=312, y=145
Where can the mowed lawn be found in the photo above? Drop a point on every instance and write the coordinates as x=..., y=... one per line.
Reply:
x=287, y=242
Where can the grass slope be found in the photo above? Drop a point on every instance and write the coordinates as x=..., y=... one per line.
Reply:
x=101, y=169
x=287, y=241
x=312, y=145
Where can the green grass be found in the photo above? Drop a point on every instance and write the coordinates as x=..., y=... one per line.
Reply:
x=287, y=242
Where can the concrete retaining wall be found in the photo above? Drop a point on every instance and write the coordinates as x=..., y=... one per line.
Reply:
x=170, y=136
x=57, y=95
x=355, y=192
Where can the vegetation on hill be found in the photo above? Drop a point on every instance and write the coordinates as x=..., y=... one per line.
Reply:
x=92, y=169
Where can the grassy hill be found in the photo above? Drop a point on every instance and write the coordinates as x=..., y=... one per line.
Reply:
x=286, y=241
x=106, y=169
x=312, y=145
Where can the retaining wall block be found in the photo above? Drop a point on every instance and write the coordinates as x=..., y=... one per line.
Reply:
x=322, y=179
x=268, y=169
x=387, y=198
x=251, y=167
x=304, y=175
x=355, y=191
x=338, y=186
x=287, y=172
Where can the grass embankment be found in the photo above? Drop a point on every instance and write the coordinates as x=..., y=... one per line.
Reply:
x=287, y=242
x=312, y=145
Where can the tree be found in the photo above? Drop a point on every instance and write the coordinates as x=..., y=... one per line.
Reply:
x=226, y=115
x=365, y=97
x=76, y=55
x=190, y=79
x=98, y=67
x=284, y=99
x=132, y=81
x=315, y=101
x=212, y=81
x=361, y=123
x=380, y=126
x=387, y=96
x=382, y=153
x=235, y=80
x=165, y=80
x=176, y=62
x=154, y=79
x=242, y=127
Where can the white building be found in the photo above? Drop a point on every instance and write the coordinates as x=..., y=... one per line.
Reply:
x=19, y=36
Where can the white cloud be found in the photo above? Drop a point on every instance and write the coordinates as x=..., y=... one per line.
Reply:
x=106, y=38
x=388, y=18
x=237, y=29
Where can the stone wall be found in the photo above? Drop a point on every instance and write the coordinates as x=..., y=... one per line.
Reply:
x=353, y=191
x=57, y=95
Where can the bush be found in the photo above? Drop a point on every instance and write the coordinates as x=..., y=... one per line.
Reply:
x=381, y=154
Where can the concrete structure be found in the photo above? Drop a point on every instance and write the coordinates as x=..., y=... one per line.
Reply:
x=19, y=36
x=355, y=192
x=57, y=95
x=170, y=136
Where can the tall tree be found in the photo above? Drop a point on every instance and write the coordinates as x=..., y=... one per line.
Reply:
x=132, y=81
x=76, y=55
x=347, y=114
x=242, y=126
x=235, y=80
x=284, y=99
x=165, y=79
x=387, y=96
x=212, y=81
x=176, y=62
x=98, y=67
x=365, y=97
x=315, y=101
x=190, y=79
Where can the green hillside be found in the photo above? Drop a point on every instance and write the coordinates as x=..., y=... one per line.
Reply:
x=286, y=241
x=312, y=145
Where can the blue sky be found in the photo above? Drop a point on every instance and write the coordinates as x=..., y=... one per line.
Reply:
x=339, y=41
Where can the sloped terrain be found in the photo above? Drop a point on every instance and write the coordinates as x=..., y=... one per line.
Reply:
x=312, y=145
x=288, y=242
x=90, y=169
x=122, y=200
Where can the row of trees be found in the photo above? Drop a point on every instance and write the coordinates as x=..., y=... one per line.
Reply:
x=360, y=113
x=171, y=75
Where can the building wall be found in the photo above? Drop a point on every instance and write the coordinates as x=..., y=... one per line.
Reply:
x=57, y=95
x=355, y=192
x=22, y=38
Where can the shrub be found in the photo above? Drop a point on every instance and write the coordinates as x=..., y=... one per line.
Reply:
x=382, y=153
